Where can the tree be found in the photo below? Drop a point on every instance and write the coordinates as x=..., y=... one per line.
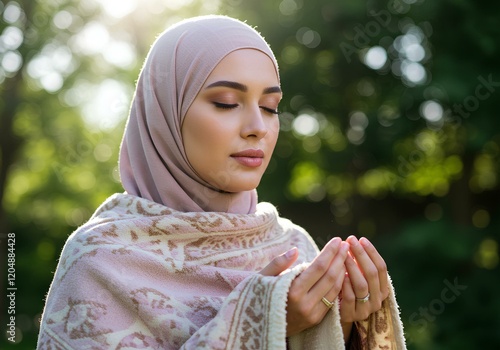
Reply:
x=67, y=74
x=388, y=133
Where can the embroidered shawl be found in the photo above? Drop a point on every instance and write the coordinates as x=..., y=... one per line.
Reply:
x=139, y=275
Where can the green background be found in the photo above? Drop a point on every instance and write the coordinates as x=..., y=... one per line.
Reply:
x=389, y=130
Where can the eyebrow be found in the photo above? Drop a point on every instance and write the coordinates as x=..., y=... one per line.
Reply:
x=238, y=86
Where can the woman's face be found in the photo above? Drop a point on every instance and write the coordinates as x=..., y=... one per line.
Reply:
x=231, y=128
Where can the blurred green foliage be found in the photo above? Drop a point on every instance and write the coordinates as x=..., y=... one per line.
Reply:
x=388, y=131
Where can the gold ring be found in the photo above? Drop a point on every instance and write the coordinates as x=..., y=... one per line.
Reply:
x=365, y=299
x=328, y=304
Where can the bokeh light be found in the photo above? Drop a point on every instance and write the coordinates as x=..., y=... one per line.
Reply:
x=432, y=111
x=12, y=12
x=305, y=125
x=375, y=57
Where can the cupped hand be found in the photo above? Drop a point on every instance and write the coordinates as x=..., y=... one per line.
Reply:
x=366, y=275
x=322, y=278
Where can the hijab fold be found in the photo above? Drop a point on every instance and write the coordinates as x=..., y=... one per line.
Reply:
x=153, y=163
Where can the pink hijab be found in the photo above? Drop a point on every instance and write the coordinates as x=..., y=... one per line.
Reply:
x=153, y=162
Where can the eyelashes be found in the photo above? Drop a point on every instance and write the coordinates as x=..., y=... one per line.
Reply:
x=228, y=106
x=270, y=110
x=225, y=105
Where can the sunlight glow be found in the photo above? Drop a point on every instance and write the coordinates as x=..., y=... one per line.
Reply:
x=110, y=103
x=122, y=8
x=94, y=38
x=121, y=54
x=118, y=8
x=50, y=66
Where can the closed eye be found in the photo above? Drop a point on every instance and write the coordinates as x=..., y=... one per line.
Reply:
x=234, y=105
x=225, y=105
x=269, y=110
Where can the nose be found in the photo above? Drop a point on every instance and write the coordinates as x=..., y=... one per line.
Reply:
x=254, y=124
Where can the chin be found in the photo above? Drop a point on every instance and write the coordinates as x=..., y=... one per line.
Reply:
x=241, y=187
x=236, y=189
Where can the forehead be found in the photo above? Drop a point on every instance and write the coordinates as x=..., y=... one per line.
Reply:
x=249, y=65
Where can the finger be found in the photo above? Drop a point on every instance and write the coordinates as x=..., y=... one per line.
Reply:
x=359, y=285
x=330, y=283
x=379, y=263
x=336, y=287
x=367, y=267
x=280, y=263
x=310, y=276
x=348, y=302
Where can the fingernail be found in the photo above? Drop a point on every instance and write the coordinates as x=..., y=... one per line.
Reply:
x=289, y=254
x=353, y=240
x=364, y=242
x=344, y=246
x=336, y=241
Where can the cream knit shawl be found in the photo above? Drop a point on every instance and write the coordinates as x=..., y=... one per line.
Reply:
x=139, y=275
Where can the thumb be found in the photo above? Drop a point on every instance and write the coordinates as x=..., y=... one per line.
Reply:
x=280, y=263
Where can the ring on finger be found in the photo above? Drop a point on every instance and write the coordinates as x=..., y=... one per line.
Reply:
x=328, y=303
x=365, y=299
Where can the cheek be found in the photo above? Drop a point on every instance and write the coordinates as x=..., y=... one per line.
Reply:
x=205, y=135
x=274, y=129
x=215, y=133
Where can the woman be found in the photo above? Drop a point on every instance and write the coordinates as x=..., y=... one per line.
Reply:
x=186, y=259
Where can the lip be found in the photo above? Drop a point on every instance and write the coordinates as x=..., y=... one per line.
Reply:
x=250, y=153
x=251, y=157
